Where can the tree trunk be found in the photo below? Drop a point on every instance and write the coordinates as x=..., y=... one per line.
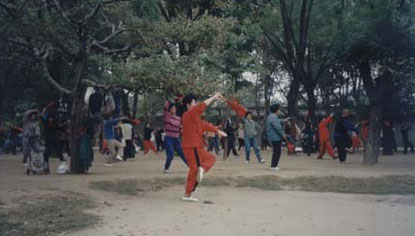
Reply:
x=76, y=123
x=373, y=141
x=387, y=140
x=311, y=101
x=77, y=115
x=135, y=103
x=293, y=97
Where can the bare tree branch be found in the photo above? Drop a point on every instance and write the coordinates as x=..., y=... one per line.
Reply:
x=64, y=15
x=8, y=10
x=93, y=12
x=43, y=54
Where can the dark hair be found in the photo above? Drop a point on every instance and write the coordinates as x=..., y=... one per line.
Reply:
x=248, y=113
x=274, y=108
x=171, y=105
x=188, y=99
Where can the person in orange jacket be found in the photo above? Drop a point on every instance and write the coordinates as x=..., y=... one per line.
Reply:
x=324, y=137
x=199, y=159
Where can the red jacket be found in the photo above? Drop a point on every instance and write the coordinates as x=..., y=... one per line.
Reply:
x=238, y=108
x=194, y=127
x=322, y=127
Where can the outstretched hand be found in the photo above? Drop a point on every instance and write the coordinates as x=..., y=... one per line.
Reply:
x=222, y=134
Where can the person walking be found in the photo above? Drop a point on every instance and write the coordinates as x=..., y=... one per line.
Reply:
x=173, y=128
x=51, y=135
x=199, y=159
x=324, y=139
x=308, y=135
x=274, y=129
x=341, y=136
x=405, y=138
x=112, y=143
x=241, y=135
x=148, y=143
x=229, y=129
x=250, y=135
x=129, y=150
x=31, y=134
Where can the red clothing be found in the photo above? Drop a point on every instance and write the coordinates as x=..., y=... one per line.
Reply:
x=324, y=135
x=322, y=127
x=172, y=123
x=193, y=144
x=194, y=127
x=356, y=142
x=197, y=157
x=149, y=145
x=365, y=132
x=238, y=108
x=325, y=144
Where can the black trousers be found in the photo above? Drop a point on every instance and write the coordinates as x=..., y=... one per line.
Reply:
x=241, y=142
x=341, y=144
x=407, y=144
x=231, y=145
x=276, y=153
x=51, y=146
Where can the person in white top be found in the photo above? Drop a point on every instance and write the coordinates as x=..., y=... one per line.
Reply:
x=129, y=150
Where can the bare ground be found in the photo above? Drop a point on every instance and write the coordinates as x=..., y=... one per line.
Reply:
x=225, y=209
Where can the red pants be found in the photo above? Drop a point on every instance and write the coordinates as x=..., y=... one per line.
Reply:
x=325, y=144
x=197, y=157
x=148, y=145
x=356, y=143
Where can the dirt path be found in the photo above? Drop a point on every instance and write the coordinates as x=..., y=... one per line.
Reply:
x=235, y=211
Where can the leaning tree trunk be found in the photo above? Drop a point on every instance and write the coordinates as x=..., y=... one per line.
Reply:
x=77, y=114
x=373, y=141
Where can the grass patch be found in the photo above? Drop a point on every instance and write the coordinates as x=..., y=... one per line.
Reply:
x=265, y=182
x=125, y=186
x=217, y=181
x=392, y=184
x=134, y=186
x=50, y=216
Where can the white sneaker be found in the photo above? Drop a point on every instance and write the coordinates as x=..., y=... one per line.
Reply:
x=62, y=169
x=275, y=168
x=119, y=158
x=25, y=165
x=189, y=199
x=199, y=177
x=108, y=165
x=247, y=162
x=262, y=161
x=167, y=171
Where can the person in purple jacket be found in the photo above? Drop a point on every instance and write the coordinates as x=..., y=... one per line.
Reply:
x=173, y=128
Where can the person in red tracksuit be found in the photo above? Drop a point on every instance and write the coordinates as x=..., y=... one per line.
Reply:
x=324, y=136
x=199, y=159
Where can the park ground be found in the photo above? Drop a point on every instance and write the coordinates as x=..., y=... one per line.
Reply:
x=306, y=197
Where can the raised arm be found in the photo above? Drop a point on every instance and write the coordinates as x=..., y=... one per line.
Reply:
x=199, y=109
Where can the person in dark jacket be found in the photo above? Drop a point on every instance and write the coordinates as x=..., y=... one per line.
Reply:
x=308, y=135
x=95, y=102
x=51, y=134
x=341, y=136
x=229, y=130
x=405, y=138
x=148, y=144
